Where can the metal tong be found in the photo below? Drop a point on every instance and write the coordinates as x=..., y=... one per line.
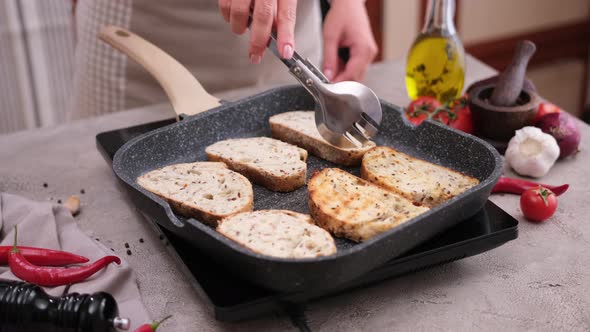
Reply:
x=347, y=114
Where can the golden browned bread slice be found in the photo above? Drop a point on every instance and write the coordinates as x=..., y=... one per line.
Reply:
x=278, y=233
x=206, y=191
x=351, y=207
x=420, y=181
x=299, y=128
x=273, y=164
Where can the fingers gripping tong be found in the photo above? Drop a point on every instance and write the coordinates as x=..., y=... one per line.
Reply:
x=347, y=114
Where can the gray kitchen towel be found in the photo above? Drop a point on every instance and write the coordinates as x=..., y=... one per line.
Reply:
x=46, y=225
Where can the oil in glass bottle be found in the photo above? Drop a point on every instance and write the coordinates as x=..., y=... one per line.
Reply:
x=436, y=61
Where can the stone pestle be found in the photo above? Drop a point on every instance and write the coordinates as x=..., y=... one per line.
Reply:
x=510, y=82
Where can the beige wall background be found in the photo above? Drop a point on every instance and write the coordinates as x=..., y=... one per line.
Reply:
x=481, y=20
x=400, y=25
x=490, y=19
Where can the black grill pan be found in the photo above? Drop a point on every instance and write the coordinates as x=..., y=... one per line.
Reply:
x=186, y=141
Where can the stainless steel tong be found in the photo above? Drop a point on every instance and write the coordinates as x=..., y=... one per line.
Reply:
x=347, y=114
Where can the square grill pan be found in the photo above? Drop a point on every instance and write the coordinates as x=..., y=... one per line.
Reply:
x=185, y=141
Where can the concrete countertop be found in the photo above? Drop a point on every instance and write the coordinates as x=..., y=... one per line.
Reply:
x=541, y=281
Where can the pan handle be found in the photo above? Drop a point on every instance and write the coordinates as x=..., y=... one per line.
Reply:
x=186, y=94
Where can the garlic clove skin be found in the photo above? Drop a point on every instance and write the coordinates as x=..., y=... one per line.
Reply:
x=531, y=152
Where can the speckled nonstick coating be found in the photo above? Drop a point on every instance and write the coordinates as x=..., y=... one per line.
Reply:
x=186, y=140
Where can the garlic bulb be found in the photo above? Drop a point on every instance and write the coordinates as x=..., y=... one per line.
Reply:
x=531, y=152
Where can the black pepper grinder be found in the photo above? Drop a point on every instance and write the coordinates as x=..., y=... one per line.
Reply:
x=26, y=307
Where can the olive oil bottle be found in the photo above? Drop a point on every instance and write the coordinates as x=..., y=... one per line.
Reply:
x=436, y=61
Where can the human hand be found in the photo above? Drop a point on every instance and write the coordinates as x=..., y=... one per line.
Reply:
x=266, y=14
x=347, y=25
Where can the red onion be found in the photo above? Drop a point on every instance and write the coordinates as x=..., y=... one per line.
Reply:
x=564, y=129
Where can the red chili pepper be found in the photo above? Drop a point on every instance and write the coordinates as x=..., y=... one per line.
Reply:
x=52, y=276
x=518, y=186
x=151, y=327
x=43, y=257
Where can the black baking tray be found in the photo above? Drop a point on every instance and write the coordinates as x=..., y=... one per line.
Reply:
x=185, y=141
x=232, y=298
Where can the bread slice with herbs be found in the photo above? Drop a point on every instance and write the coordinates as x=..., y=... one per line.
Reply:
x=351, y=207
x=299, y=128
x=206, y=191
x=209, y=164
x=420, y=181
x=273, y=164
x=278, y=233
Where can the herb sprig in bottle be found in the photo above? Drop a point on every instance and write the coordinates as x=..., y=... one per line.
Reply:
x=436, y=61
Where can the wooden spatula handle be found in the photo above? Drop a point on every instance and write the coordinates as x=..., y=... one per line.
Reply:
x=186, y=94
x=510, y=82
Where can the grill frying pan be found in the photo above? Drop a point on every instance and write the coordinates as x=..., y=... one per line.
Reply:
x=185, y=141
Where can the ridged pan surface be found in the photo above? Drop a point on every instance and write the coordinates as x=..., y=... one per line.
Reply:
x=186, y=141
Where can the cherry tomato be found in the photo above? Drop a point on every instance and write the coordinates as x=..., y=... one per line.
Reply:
x=456, y=115
x=416, y=118
x=419, y=109
x=462, y=119
x=425, y=103
x=545, y=108
x=538, y=204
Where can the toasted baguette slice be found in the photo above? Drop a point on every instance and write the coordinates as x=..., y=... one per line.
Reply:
x=351, y=207
x=299, y=128
x=205, y=191
x=278, y=233
x=273, y=164
x=422, y=182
